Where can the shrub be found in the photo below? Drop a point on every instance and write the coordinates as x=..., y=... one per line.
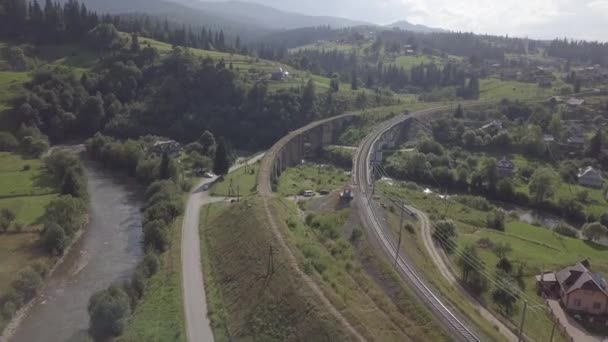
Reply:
x=8, y=310
x=27, y=283
x=566, y=230
x=155, y=235
x=475, y=202
x=496, y=220
x=150, y=265
x=54, y=238
x=8, y=142
x=108, y=310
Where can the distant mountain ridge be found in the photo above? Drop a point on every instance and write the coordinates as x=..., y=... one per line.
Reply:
x=247, y=19
x=267, y=16
x=407, y=26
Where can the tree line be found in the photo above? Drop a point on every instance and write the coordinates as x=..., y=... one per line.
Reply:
x=132, y=92
x=63, y=217
x=53, y=22
x=579, y=51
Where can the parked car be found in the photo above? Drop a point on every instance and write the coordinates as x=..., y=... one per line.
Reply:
x=206, y=187
x=208, y=175
x=324, y=192
x=309, y=193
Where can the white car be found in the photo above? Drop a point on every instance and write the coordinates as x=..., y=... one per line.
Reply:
x=208, y=175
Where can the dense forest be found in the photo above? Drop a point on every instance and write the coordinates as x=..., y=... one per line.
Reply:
x=133, y=93
x=579, y=51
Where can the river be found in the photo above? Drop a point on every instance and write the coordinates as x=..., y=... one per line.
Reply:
x=108, y=251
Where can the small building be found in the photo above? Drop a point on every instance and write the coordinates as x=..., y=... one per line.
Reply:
x=494, y=125
x=579, y=290
x=170, y=147
x=574, y=102
x=279, y=75
x=590, y=177
x=505, y=167
x=576, y=141
x=548, y=138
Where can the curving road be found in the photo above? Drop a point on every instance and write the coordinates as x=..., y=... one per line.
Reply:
x=198, y=326
x=362, y=180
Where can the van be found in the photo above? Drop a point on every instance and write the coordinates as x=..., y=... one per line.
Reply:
x=309, y=193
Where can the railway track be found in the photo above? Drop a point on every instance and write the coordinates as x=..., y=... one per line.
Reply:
x=362, y=181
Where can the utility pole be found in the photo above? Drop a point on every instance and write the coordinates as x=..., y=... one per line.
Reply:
x=521, y=324
x=400, y=233
x=270, y=266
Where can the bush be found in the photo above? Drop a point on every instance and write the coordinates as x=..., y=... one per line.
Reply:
x=8, y=142
x=150, y=265
x=475, y=202
x=27, y=283
x=108, y=310
x=594, y=231
x=496, y=220
x=445, y=232
x=54, y=239
x=8, y=310
x=155, y=235
x=566, y=230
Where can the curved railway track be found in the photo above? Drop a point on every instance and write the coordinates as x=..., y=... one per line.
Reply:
x=362, y=180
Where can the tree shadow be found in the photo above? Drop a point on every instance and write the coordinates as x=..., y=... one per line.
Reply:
x=596, y=246
x=44, y=180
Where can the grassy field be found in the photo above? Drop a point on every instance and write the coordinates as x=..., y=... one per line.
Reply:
x=24, y=191
x=496, y=89
x=325, y=251
x=249, y=301
x=294, y=181
x=244, y=178
x=534, y=248
x=407, y=62
x=159, y=316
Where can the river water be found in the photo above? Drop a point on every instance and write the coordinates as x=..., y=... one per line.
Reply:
x=108, y=251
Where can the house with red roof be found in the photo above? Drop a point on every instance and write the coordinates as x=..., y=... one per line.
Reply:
x=579, y=289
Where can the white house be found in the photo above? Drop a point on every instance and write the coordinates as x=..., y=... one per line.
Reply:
x=590, y=177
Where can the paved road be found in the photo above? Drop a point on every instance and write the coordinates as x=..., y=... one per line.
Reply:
x=198, y=327
x=361, y=177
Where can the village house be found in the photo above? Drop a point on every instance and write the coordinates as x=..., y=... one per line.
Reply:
x=494, y=125
x=505, y=168
x=576, y=141
x=590, y=177
x=579, y=290
x=279, y=75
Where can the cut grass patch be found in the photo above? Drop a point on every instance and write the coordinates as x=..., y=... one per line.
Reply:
x=296, y=180
x=244, y=178
x=159, y=316
x=25, y=187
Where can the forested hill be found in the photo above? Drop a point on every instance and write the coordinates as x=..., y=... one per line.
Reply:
x=143, y=87
x=248, y=20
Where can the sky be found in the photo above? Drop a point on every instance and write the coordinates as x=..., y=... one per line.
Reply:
x=544, y=19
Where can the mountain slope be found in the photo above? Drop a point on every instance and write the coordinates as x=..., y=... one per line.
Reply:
x=407, y=26
x=268, y=16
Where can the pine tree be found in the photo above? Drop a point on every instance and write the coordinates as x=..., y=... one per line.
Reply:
x=221, y=164
x=459, y=114
x=165, y=167
x=354, y=83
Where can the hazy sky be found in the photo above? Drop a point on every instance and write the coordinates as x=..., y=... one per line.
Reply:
x=586, y=19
